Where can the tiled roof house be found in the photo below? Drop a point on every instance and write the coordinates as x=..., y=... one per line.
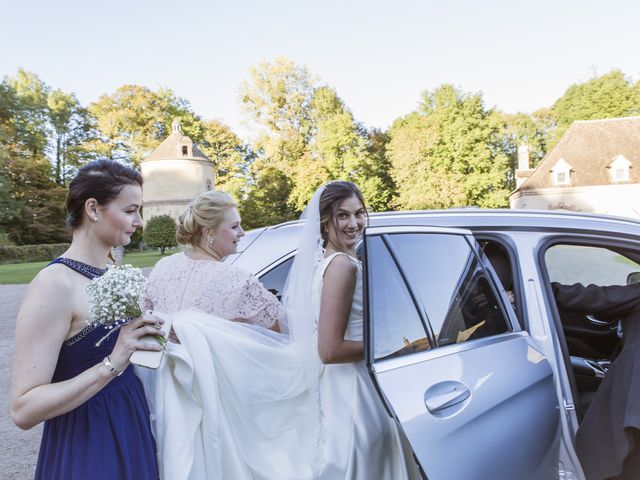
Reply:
x=595, y=167
x=174, y=173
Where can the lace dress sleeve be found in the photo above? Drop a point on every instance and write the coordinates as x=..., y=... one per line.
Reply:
x=257, y=305
x=145, y=300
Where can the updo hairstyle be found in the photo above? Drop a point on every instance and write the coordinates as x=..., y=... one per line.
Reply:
x=333, y=195
x=205, y=211
x=100, y=179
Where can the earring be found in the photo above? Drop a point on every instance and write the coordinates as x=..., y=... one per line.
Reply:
x=210, y=241
x=95, y=219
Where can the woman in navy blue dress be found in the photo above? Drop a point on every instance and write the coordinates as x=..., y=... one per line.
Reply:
x=96, y=417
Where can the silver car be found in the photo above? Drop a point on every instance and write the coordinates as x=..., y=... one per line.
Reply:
x=469, y=353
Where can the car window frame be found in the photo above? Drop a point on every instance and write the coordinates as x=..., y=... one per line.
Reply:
x=583, y=240
x=508, y=312
x=508, y=244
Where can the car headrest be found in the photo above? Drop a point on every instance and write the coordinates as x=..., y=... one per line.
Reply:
x=499, y=259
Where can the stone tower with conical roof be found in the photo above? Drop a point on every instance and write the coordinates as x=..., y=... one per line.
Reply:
x=173, y=174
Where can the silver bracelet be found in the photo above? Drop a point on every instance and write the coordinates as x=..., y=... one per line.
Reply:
x=110, y=367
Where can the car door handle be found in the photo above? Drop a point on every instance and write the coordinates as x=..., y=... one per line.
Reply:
x=440, y=400
x=595, y=321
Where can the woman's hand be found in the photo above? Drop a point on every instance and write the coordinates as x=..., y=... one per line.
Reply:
x=129, y=339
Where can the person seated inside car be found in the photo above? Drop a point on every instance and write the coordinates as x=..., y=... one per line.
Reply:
x=608, y=438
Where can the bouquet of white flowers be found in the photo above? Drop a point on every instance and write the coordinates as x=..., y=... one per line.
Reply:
x=114, y=298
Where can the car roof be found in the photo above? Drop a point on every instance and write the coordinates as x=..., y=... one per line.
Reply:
x=277, y=241
x=496, y=219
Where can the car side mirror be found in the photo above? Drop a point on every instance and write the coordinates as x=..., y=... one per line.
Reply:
x=633, y=277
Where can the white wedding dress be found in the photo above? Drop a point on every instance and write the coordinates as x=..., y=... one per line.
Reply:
x=358, y=439
x=233, y=401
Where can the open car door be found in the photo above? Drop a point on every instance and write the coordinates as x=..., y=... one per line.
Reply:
x=472, y=394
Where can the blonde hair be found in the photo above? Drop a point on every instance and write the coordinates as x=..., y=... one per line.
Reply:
x=205, y=211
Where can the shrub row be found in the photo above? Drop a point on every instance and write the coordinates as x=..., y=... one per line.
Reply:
x=31, y=253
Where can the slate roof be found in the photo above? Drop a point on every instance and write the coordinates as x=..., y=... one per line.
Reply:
x=171, y=148
x=589, y=146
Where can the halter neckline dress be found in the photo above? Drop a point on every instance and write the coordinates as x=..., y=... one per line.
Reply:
x=108, y=436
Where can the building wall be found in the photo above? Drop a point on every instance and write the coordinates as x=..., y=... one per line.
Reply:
x=169, y=185
x=623, y=200
x=173, y=209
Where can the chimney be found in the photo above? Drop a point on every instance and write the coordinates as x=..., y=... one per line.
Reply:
x=523, y=171
x=523, y=156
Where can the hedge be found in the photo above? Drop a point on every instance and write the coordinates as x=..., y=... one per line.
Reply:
x=31, y=253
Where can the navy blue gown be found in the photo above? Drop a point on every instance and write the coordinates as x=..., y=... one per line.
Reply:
x=108, y=436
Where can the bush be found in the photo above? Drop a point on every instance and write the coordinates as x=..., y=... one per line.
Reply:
x=160, y=232
x=136, y=240
x=31, y=253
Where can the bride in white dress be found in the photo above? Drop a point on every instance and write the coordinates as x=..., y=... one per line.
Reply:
x=235, y=400
x=358, y=439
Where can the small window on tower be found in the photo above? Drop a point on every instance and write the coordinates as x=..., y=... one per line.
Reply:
x=185, y=150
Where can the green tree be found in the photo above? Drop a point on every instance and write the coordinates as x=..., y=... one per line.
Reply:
x=71, y=129
x=349, y=151
x=267, y=202
x=32, y=204
x=134, y=120
x=449, y=153
x=308, y=134
x=24, y=114
x=530, y=130
x=278, y=96
x=37, y=203
x=160, y=232
x=276, y=101
x=231, y=156
x=8, y=205
x=607, y=96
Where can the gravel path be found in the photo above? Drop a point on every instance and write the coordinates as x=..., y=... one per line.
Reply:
x=19, y=450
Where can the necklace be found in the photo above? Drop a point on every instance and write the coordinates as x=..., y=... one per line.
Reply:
x=207, y=253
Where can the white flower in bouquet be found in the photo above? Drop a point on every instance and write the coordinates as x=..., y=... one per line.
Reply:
x=114, y=298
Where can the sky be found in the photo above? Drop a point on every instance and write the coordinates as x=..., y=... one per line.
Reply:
x=378, y=55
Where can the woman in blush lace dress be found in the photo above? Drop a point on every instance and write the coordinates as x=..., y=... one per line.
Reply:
x=225, y=401
x=198, y=279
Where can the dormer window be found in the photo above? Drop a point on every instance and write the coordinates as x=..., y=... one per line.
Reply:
x=619, y=169
x=185, y=150
x=561, y=173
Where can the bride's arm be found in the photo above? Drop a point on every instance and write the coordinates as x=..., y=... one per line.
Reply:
x=335, y=305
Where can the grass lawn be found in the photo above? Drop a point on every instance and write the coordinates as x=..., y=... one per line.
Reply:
x=24, y=272
x=144, y=259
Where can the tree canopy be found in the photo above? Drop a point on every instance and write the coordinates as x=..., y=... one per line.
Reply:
x=450, y=151
x=607, y=96
x=160, y=232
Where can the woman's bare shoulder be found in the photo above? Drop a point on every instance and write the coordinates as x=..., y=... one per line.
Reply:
x=56, y=279
x=341, y=264
x=52, y=291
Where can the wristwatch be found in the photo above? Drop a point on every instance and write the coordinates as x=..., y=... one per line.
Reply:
x=112, y=370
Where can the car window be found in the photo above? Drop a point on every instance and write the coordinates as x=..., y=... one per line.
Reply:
x=275, y=278
x=395, y=323
x=452, y=286
x=569, y=264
